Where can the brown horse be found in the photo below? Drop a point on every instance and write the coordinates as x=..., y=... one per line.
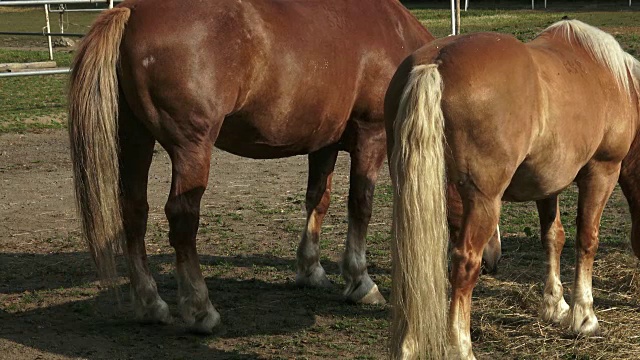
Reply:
x=503, y=120
x=257, y=78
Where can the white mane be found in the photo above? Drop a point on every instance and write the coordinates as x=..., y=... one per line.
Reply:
x=604, y=49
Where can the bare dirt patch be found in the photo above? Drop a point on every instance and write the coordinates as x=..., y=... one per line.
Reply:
x=51, y=306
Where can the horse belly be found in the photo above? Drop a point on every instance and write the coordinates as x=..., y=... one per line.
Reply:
x=261, y=138
x=535, y=182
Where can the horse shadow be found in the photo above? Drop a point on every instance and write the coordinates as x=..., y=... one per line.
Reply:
x=96, y=324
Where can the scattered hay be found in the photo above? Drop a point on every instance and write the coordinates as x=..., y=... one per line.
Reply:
x=505, y=318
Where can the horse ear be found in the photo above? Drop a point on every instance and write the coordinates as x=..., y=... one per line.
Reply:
x=566, y=18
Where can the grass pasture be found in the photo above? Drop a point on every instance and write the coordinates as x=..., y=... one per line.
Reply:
x=252, y=215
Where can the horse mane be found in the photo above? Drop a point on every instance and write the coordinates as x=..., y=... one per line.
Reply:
x=604, y=48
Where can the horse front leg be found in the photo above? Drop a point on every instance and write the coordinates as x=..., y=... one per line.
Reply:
x=321, y=165
x=190, y=174
x=553, y=308
x=367, y=150
x=595, y=187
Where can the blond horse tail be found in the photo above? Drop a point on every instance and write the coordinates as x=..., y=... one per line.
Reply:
x=93, y=134
x=420, y=230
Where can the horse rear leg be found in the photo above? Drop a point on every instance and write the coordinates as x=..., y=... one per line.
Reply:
x=136, y=152
x=481, y=215
x=595, y=185
x=367, y=149
x=492, y=252
x=553, y=308
x=190, y=174
x=321, y=165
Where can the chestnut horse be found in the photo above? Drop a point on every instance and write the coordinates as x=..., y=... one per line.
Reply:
x=257, y=78
x=503, y=120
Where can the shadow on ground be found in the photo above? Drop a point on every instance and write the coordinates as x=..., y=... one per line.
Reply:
x=51, y=303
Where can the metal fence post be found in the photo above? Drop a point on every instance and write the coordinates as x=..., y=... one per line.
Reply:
x=46, y=14
x=457, y=17
x=453, y=17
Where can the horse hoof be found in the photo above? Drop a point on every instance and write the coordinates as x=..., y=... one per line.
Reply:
x=199, y=320
x=371, y=297
x=157, y=313
x=316, y=278
x=374, y=297
x=456, y=352
x=554, y=312
x=205, y=323
x=582, y=321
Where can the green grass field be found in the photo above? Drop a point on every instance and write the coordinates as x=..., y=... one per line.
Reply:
x=33, y=103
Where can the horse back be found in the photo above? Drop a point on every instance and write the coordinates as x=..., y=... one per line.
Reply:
x=587, y=107
x=520, y=112
x=276, y=78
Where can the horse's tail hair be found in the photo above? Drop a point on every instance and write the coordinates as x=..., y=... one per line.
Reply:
x=93, y=134
x=420, y=230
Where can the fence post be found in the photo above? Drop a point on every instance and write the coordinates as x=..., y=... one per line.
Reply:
x=453, y=17
x=110, y=4
x=61, y=8
x=457, y=17
x=46, y=15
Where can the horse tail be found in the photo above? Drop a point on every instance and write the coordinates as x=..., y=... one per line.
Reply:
x=93, y=134
x=420, y=230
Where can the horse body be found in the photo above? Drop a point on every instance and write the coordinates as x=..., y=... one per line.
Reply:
x=257, y=78
x=537, y=117
x=570, y=119
x=520, y=122
x=274, y=90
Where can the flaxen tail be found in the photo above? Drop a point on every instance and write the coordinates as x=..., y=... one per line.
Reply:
x=420, y=230
x=93, y=131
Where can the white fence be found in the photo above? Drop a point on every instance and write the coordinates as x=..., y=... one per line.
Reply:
x=455, y=13
x=47, y=32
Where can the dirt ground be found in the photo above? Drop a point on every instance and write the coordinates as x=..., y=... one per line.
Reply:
x=51, y=307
